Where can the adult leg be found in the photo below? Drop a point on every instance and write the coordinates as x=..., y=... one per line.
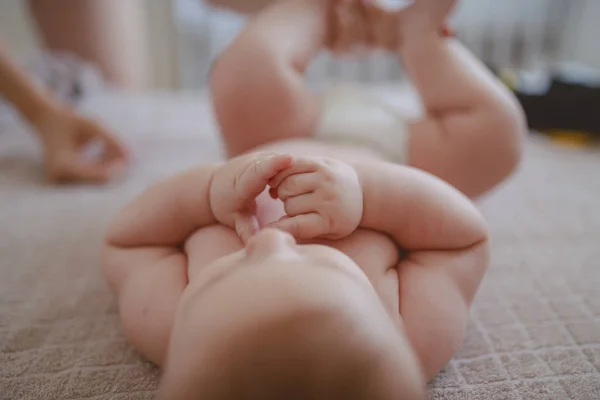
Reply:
x=109, y=33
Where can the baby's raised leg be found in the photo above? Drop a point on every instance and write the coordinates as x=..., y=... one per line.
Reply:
x=472, y=132
x=257, y=84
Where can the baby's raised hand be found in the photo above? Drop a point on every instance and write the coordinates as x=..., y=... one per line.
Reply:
x=368, y=24
x=347, y=31
x=236, y=185
x=361, y=25
x=426, y=16
x=322, y=198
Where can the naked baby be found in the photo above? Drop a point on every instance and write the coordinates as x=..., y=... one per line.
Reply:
x=306, y=267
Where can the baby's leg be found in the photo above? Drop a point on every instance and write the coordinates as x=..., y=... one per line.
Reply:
x=257, y=84
x=471, y=136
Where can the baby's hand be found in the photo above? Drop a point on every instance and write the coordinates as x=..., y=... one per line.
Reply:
x=347, y=31
x=367, y=24
x=322, y=198
x=426, y=16
x=362, y=25
x=236, y=185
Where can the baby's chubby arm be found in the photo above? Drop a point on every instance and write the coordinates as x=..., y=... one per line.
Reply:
x=444, y=235
x=167, y=213
x=446, y=240
x=163, y=218
x=144, y=259
x=420, y=211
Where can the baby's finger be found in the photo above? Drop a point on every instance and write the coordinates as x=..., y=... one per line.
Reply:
x=305, y=226
x=246, y=225
x=382, y=26
x=361, y=36
x=273, y=193
x=253, y=179
x=331, y=25
x=302, y=165
x=390, y=32
x=297, y=185
x=302, y=204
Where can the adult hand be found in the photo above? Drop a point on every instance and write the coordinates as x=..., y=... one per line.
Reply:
x=69, y=140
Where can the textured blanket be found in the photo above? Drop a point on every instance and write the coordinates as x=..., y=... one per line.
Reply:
x=535, y=326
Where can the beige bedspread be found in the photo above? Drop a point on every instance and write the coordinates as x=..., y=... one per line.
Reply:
x=534, y=331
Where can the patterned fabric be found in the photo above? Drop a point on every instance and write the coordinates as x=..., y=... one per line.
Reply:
x=534, y=331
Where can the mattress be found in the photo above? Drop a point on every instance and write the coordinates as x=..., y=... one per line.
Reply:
x=534, y=331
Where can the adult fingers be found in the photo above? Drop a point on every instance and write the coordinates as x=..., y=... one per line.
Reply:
x=76, y=169
x=114, y=147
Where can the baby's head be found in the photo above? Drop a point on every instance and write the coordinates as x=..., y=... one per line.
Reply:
x=282, y=321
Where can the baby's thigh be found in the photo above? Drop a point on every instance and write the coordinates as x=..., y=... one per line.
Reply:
x=208, y=244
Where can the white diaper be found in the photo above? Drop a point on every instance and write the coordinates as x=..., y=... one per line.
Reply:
x=354, y=116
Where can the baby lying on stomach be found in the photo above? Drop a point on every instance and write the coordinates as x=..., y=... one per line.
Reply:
x=305, y=269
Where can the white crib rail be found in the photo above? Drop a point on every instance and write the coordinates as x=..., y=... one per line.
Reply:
x=507, y=33
x=512, y=33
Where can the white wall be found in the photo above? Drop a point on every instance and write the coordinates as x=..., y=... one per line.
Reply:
x=582, y=40
x=15, y=28
x=18, y=34
x=162, y=44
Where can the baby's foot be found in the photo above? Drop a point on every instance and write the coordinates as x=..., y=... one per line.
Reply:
x=425, y=16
